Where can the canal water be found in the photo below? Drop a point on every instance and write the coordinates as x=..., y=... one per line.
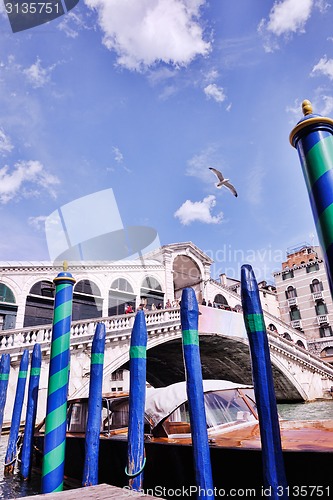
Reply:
x=13, y=487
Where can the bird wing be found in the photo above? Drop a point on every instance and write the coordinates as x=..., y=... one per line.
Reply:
x=217, y=173
x=231, y=187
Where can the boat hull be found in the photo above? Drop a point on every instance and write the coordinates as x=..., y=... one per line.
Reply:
x=169, y=468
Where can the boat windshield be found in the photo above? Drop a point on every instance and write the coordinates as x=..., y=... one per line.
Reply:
x=223, y=408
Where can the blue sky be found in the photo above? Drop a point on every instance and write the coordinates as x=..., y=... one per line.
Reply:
x=142, y=97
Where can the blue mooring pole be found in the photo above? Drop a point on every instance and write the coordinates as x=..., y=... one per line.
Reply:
x=93, y=427
x=30, y=419
x=189, y=313
x=4, y=378
x=56, y=408
x=273, y=465
x=11, y=452
x=135, y=452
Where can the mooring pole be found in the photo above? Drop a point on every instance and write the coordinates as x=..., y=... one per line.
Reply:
x=4, y=378
x=137, y=399
x=273, y=465
x=56, y=409
x=189, y=313
x=11, y=452
x=93, y=427
x=313, y=139
x=30, y=419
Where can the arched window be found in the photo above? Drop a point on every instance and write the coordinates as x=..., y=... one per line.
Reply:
x=6, y=295
x=220, y=301
x=151, y=293
x=300, y=344
x=272, y=327
x=39, y=304
x=291, y=292
x=87, y=300
x=287, y=336
x=321, y=308
x=120, y=294
x=8, y=308
x=316, y=286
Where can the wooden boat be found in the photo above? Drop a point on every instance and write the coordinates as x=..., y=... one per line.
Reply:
x=234, y=437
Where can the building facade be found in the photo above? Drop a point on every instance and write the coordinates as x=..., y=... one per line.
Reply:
x=304, y=298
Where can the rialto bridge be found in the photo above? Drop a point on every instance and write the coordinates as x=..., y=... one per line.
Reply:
x=298, y=374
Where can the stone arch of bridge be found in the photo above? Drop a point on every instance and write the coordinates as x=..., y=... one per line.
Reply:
x=221, y=358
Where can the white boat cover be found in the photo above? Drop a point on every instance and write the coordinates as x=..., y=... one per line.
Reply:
x=162, y=401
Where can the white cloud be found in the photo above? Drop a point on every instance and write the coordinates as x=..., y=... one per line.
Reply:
x=118, y=155
x=5, y=143
x=37, y=222
x=15, y=182
x=328, y=105
x=289, y=16
x=71, y=24
x=255, y=179
x=200, y=211
x=324, y=67
x=285, y=18
x=37, y=75
x=145, y=32
x=198, y=165
x=212, y=91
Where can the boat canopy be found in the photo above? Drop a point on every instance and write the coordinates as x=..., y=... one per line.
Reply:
x=162, y=401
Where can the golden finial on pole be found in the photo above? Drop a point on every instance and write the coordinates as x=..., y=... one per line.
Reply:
x=306, y=107
x=65, y=265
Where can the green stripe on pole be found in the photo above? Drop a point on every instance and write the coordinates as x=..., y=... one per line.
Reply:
x=323, y=149
x=255, y=322
x=325, y=223
x=55, y=417
x=22, y=374
x=4, y=376
x=138, y=351
x=34, y=372
x=54, y=458
x=97, y=358
x=64, y=310
x=190, y=337
x=60, y=344
x=58, y=380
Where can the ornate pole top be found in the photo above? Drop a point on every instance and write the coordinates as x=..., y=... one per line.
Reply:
x=308, y=123
x=306, y=107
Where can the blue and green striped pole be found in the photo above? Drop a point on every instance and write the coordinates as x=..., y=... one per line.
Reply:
x=4, y=378
x=137, y=399
x=189, y=314
x=313, y=139
x=30, y=419
x=11, y=452
x=272, y=459
x=93, y=427
x=56, y=409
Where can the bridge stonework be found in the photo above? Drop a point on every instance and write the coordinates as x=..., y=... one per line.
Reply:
x=224, y=352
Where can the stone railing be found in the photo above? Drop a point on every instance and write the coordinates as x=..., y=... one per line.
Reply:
x=15, y=341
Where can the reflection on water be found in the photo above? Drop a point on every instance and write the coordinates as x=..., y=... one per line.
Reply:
x=12, y=486
x=307, y=411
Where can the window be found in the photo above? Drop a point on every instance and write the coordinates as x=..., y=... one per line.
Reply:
x=291, y=292
x=294, y=313
x=321, y=308
x=316, y=286
x=312, y=267
x=117, y=375
x=325, y=331
x=288, y=274
x=6, y=295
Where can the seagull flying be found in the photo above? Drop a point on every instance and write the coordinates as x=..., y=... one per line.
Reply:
x=223, y=181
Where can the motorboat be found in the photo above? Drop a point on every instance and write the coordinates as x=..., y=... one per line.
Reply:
x=233, y=434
